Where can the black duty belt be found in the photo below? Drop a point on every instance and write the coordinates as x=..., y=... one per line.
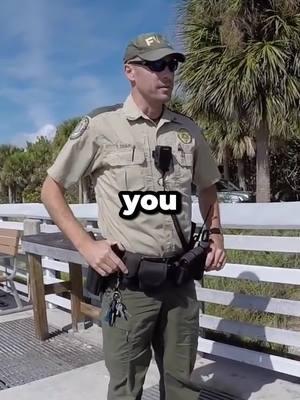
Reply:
x=152, y=272
x=147, y=272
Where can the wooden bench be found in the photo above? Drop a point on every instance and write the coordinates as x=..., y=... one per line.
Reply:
x=9, y=245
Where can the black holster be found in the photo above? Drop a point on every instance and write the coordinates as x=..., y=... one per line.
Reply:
x=95, y=283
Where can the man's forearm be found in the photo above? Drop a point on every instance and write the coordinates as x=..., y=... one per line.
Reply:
x=209, y=207
x=52, y=196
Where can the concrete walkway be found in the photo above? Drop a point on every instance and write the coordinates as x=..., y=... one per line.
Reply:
x=90, y=382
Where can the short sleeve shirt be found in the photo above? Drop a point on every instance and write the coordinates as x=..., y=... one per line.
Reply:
x=114, y=145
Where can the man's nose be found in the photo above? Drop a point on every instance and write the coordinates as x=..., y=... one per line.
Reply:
x=166, y=75
x=168, y=71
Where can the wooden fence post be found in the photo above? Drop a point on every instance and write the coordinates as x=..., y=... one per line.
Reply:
x=37, y=294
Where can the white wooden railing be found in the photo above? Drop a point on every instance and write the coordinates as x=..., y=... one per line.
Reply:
x=285, y=216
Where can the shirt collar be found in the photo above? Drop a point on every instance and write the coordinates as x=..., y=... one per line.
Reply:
x=133, y=113
x=131, y=110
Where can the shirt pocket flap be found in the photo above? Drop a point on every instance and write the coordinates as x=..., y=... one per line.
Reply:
x=128, y=156
x=184, y=154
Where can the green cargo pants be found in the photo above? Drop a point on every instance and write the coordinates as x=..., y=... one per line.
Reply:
x=168, y=322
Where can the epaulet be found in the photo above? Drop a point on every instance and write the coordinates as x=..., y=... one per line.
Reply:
x=179, y=113
x=183, y=115
x=102, y=110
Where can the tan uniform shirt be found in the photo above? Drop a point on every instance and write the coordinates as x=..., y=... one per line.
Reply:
x=116, y=150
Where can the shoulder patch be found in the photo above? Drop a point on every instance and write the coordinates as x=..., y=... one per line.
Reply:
x=80, y=128
x=102, y=110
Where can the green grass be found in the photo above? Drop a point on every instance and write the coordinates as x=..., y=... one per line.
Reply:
x=256, y=289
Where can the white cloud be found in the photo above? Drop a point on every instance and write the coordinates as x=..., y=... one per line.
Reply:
x=52, y=55
x=47, y=131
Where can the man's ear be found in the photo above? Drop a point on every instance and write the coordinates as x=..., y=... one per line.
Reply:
x=129, y=72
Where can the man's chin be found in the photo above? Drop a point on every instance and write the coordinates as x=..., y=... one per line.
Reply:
x=164, y=98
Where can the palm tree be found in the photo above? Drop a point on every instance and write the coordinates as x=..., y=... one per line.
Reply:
x=228, y=140
x=39, y=154
x=231, y=141
x=285, y=171
x=63, y=132
x=7, y=177
x=16, y=173
x=176, y=104
x=243, y=63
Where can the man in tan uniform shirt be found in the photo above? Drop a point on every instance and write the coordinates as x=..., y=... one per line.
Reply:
x=114, y=146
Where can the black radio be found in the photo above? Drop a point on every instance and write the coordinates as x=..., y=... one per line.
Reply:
x=162, y=158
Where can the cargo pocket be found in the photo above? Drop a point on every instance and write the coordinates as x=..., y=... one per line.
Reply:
x=116, y=344
x=127, y=168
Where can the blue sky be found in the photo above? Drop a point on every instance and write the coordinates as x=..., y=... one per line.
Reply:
x=63, y=58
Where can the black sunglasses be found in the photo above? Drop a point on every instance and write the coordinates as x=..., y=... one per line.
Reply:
x=158, y=65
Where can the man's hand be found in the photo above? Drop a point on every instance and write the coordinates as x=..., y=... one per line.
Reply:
x=102, y=258
x=216, y=257
x=98, y=254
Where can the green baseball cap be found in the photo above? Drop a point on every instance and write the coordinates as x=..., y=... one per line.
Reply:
x=151, y=47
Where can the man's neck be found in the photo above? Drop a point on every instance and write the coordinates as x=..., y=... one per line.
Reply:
x=153, y=111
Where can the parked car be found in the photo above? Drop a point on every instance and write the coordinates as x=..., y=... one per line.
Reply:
x=228, y=192
x=287, y=194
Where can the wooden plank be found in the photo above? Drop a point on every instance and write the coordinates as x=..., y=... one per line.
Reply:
x=259, y=303
x=9, y=241
x=47, y=228
x=38, y=296
x=12, y=225
x=48, y=251
x=259, y=273
x=21, y=287
x=282, y=244
x=38, y=211
x=11, y=233
x=274, y=335
x=8, y=250
x=55, y=265
x=54, y=240
x=267, y=361
x=53, y=245
x=59, y=301
x=90, y=310
x=56, y=288
x=51, y=279
x=76, y=294
x=252, y=215
x=256, y=215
